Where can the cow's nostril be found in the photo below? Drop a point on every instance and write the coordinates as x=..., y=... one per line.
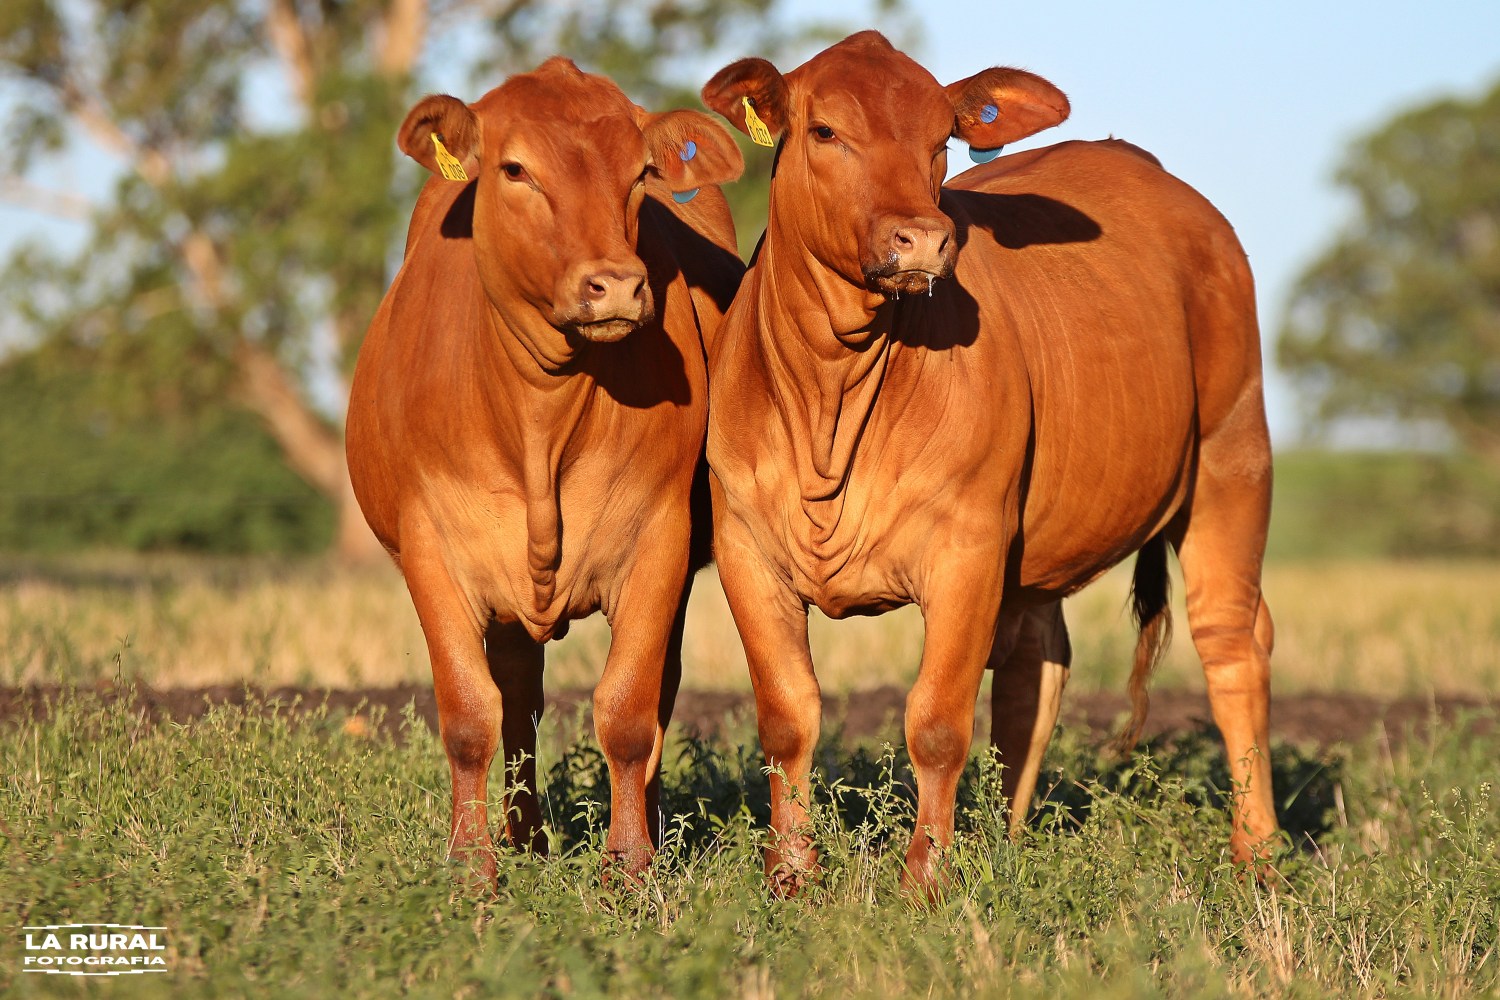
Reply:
x=596, y=288
x=903, y=241
x=636, y=292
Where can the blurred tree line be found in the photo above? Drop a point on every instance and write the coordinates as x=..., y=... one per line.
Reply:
x=180, y=381
x=1400, y=316
x=1398, y=320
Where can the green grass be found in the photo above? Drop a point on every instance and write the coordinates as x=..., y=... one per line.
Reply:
x=1374, y=504
x=292, y=858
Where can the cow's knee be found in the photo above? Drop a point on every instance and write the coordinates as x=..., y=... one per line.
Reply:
x=471, y=738
x=936, y=740
x=939, y=724
x=626, y=730
x=789, y=724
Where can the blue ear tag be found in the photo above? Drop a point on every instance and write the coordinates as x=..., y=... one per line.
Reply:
x=688, y=152
x=987, y=114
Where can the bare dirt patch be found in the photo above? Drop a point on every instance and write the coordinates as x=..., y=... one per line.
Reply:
x=1306, y=719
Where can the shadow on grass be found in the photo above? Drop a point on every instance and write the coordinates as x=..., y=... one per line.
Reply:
x=709, y=784
x=1194, y=761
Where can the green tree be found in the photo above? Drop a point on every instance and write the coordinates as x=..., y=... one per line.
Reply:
x=1400, y=316
x=143, y=472
x=250, y=237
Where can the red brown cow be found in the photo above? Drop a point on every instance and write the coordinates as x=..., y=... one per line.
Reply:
x=977, y=398
x=528, y=415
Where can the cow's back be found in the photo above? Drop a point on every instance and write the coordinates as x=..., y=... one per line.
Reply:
x=1131, y=307
x=417, y=359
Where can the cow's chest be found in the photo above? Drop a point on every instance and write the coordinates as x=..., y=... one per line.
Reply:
x=542, y=556
x=845, y=556
x=869, y=546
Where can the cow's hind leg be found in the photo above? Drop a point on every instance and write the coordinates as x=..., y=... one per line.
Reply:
x=1025, y=699
x=516, y=666
x=467, y=700
x=1220, y=540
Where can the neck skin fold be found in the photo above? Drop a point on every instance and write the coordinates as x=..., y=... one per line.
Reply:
x=826, y=342
x=544, y=416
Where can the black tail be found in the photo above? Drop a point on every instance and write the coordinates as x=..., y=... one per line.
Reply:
x=1150, y=602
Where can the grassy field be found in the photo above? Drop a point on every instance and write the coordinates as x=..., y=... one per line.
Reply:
x=302, y=858
x=1371, y=504
x=303, y=855
x=1381, y=627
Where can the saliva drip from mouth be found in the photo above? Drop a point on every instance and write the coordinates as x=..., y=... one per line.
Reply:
x=930, y=279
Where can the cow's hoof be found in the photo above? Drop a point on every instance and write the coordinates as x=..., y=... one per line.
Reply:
x=478, y=868
x=791, y=867
x=926, y=877
x=626, y=866
x=1253, y=857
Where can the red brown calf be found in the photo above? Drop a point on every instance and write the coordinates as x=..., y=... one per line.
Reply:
x=527, y=417
x=978, y=398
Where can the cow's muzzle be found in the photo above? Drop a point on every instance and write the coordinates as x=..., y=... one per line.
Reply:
x=607, y=302
x=913, y=253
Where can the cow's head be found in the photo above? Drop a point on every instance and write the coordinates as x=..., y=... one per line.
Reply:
x=560, y=159
x=864, y=150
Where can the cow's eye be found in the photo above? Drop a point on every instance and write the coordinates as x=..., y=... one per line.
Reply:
x=823, y=132
x=514, y=171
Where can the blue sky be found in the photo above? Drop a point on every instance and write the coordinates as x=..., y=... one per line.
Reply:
x=1250, y=103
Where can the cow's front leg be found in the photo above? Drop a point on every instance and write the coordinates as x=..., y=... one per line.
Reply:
x=960, y=605
x=629, y=711
x=671, y=680
x=468, y=702
x=772, y=623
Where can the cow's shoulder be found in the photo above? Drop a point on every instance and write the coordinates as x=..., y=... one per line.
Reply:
x=1120, y=145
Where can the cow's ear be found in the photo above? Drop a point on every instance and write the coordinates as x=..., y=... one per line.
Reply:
x=690, y=150
x=761, y=85
x=1000, y=106
x=455, y=127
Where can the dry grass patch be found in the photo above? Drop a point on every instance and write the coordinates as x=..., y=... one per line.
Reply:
x=1380, y=627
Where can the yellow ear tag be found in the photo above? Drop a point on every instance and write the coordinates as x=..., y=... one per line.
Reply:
x=759, y=134
x=448, y=164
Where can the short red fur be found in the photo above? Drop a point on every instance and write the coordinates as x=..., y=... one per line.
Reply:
x=977, y=398
x=527, y=418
